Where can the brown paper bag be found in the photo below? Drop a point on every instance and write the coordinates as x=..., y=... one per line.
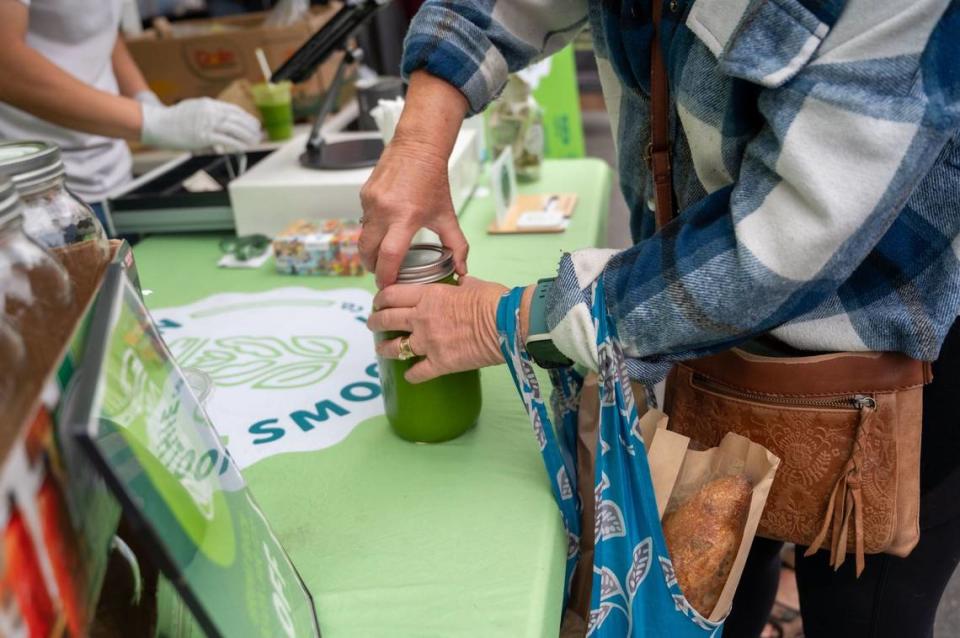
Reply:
x=666, y=452
x=735, y=455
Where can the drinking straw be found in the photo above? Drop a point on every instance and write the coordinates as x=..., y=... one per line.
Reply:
x=264, y=67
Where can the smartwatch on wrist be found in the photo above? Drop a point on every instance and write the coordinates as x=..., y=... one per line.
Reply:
x=539, y=343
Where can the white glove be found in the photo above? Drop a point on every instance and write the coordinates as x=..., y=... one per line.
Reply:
x=198, y=123
x=147, y=96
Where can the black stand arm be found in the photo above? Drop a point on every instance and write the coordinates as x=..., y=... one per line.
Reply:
x=315, y=141
x=347, y=154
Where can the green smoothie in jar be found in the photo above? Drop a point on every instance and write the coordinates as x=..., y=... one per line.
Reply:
x=443, y=408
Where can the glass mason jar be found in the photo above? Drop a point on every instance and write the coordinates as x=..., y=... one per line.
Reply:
x=54, y=217
x=11, y=364
x=35, y=299
x=516, y=120
x=443, y=408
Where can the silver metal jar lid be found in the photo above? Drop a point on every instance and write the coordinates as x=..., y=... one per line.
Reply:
x=9, y=201
x=30, y=164
x=425, y=264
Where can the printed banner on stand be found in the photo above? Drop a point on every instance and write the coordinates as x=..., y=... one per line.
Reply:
x=135, y=416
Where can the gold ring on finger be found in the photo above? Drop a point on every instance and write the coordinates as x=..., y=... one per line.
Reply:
x=406, y=352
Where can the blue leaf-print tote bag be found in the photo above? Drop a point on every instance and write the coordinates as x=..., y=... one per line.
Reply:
x=634, y=590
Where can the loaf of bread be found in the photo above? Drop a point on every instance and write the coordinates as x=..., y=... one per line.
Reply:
x=703, y=535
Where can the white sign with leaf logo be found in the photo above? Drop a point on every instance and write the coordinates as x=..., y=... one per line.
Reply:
x=288, y=370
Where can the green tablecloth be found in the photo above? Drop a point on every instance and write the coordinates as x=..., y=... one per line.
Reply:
x=396, y=539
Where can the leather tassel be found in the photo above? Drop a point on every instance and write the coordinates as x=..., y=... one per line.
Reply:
x=846, y=504
x=839, y=550
x=858, y=529
x=827, y=519
x=838, y=539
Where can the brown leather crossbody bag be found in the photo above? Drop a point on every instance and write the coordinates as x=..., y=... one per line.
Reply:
x=846, y=426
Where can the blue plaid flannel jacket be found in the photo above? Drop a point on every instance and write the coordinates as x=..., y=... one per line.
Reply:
x=816, y=167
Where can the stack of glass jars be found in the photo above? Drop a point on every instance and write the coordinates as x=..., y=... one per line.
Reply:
x=35, y=301
x=54, y=217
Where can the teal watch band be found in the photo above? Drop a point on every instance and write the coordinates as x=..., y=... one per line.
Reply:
x=539, y=343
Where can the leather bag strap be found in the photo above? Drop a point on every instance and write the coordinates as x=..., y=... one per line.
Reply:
x=658, y=152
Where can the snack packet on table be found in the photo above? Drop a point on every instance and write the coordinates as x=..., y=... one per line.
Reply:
x=329, y=247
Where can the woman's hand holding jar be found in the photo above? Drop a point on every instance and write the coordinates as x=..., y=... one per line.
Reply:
x=454, y=328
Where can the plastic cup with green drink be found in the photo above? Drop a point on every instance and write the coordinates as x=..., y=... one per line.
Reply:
x=276, y=108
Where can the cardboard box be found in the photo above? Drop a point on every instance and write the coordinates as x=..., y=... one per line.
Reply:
x=201, y=58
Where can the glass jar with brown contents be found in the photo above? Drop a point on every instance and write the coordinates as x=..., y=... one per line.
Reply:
x=54, y=217
x=35, y=296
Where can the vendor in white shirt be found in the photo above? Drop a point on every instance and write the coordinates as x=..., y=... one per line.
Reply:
x=66, y=77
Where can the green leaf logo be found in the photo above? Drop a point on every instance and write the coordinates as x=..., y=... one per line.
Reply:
x=262, y=363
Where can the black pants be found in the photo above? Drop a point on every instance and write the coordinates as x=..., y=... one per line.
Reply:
x=894, y=597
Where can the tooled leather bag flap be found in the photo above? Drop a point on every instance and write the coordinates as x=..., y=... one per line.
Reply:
x=827, y=374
